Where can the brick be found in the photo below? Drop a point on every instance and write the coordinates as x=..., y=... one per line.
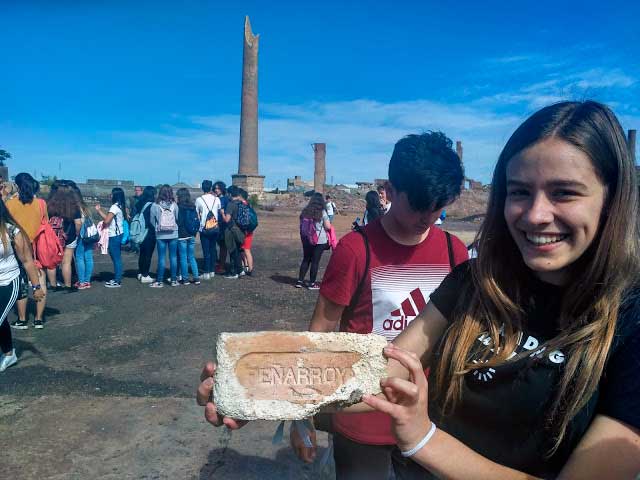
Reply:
x=291, y=375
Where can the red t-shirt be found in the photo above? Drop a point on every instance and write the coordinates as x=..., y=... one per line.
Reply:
x=401, y=278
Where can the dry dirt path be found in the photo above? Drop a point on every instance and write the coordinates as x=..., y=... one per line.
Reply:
x=106, y=389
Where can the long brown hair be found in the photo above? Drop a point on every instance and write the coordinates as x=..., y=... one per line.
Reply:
x=590, y=303
x=314, y=208
x=63, y=202
x=184, y=198
x=165, y=194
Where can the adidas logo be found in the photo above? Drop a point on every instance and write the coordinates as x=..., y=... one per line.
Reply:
x=409, y=309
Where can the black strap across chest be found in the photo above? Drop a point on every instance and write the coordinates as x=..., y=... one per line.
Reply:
x=356, y=295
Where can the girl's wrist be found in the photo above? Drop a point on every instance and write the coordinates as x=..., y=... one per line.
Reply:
x=426, y=433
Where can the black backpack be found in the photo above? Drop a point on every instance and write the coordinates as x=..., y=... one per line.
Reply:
x=191, y=221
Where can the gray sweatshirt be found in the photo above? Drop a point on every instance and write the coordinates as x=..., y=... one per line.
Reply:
x=156, y=211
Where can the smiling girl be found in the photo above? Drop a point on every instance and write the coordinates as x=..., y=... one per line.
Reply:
x=535, y=345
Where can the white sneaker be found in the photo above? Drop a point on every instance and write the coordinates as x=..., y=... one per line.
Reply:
x=179, y=277
x=139, y=277
x=8, y=360
x=205, y=276
x=146, y=279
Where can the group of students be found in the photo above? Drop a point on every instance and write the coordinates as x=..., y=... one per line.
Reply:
x=40, y=239
x=160, y=220
x=520, y=363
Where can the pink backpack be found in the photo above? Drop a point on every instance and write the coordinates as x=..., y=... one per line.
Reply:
x=308, y=230
x=47, y=250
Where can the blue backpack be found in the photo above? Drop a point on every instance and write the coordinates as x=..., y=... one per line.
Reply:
x=247, y=218
x=125, y=232
x=191, y=221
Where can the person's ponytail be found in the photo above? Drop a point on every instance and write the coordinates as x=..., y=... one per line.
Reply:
x=27, y=187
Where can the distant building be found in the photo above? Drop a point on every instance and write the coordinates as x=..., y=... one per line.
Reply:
x=346, y=188
x=195, y=192
x=111, y=183
x=297, y=184
x=97, y=189
x=475, y=185
x=365, y=186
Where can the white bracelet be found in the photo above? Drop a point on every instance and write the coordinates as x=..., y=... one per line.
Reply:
x=421, y=443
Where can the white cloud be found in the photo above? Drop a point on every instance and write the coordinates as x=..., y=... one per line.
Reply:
x=512, y=59
x=600, y=78
x=359, y=134
x=600, y=83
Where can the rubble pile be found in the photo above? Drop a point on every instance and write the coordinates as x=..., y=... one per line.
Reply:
x=470, y=206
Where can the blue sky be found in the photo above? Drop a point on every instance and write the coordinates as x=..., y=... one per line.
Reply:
x=149, y=90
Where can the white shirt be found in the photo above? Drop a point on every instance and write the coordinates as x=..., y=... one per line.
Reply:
x=322, y=233
x=207, y=202
x=115, y=227
x=329, y=207
x=9, y=268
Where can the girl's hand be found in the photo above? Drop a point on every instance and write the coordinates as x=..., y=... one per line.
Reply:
x=97, y=207
x=406, y=400
x=204, y=397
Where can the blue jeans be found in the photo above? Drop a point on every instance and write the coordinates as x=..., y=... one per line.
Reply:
x=209, y=252
x=84, y=261
x=173, y=258
x=186, y=247
x=115, y=244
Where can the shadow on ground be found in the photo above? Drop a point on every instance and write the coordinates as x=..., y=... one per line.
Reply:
x=65, y=382
x=284, y=279
x=24, y=346
x=226, y=463
x=48, y=311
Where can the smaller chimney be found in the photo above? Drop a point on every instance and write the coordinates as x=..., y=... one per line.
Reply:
x=319, y=170
x=459, y=149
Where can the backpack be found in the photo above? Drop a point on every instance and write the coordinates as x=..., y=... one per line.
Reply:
x=125, y=232
x=253, y=219
x=191, y=220
x=308, y=231
x=138, y=228
x=167, y=220
x=57, y=225
x=46, y=245
x=89, y=232
x=210, y=223
x=247, y=219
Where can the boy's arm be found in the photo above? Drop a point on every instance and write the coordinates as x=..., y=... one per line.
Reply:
x=326, y=315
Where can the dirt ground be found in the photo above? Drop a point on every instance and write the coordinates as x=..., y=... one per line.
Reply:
x=106, y=390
